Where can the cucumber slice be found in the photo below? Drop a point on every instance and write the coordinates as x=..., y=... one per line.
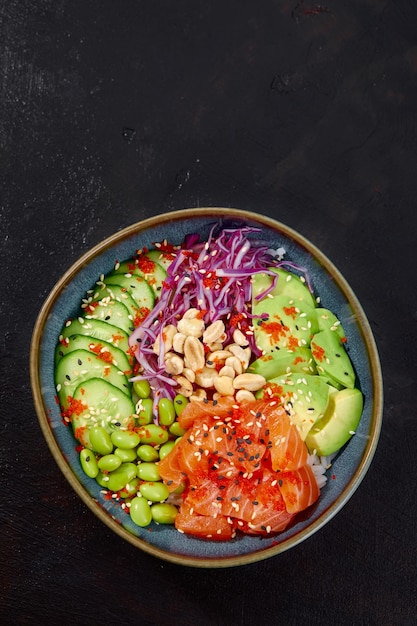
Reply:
x=105, y=405
x=106, y=351
x=97, y=329
x=80, y=365
x=144, y=267
x=163, y=258
x=115, y=292
x=136, y=286
x=111, y=312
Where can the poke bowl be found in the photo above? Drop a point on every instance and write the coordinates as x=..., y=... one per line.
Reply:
x=174, y=362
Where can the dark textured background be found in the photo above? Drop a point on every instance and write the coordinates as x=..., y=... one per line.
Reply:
x=115, y=111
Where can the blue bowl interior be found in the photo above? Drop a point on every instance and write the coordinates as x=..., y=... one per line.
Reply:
x=347, y=469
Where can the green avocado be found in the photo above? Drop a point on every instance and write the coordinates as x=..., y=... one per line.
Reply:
x=304, y=396
x=288, y=284
x=283, y=322
x=283, y=361
x=328, y=321
x=338, y=424
x=332, y=359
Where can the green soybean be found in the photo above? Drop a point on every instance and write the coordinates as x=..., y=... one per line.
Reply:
x=125, y=455
x=140, y=512
x=149, y=472
x=164, y=513
x=146, y=452
x=103, y=480
x=142, y=388
x=130, y=489
x=166, y=449
x=89, y=463
x=145, y=414
x=109, y=463
x=126, y=439
x=100, y=440
x=153, y=434
x=176, y=430
x=155, y=492
x=121, y=476
x=180, y=402
x=166, y=412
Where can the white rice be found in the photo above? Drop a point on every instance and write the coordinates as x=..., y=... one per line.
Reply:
x=320, y=465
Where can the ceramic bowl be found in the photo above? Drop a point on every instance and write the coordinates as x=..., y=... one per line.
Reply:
x=350, y=466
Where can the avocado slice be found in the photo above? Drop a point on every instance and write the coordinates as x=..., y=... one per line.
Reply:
x=283, y=361
x=328, y=321
x=305, y=396
x=332, y=359
x=288, y=284
x=338, y=424
x=283, y=322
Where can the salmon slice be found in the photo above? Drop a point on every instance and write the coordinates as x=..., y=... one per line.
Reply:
x=204, y=526
x=299, y=489
x=196, y=409
x=170, y=469
x=288, y=450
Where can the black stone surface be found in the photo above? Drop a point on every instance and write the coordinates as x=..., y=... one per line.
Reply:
x=115, y=111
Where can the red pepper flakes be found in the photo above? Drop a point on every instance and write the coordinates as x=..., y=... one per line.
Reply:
x=116, y=339
x=103, y=355
x=164, y=246
x=146, y=265
x=74, y=407
x=91, y=306
x=140, y=315
x=274, y=390
x=291, y=311
x=65, y=342
x=79, y=432
x=275, y=329
x=344, y=340
x=298, y=359
x=317, y=352
x=292, y=343
x=131, y=267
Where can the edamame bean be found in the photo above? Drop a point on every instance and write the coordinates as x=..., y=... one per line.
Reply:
x=180, y=402
x=140, y=512
x=100, y=440
x=126, y=456
x=130, y=489
x=166, y=412
x=176, y=430
x=146, y=452
x=109, y=463
x=153, y=434
x=121, y=476
x=89, y=462
x=145, y=413
x=126, y=439
x=148, y=471
x=103, y=480
x=155, y=492
x=164, y=513
x=166, y=449
x=142, y=388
